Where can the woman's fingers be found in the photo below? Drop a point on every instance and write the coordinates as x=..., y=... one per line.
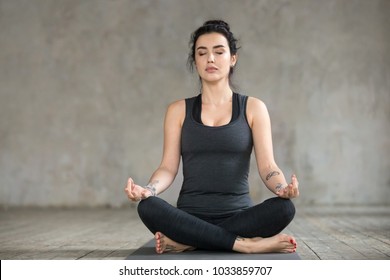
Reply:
x=129, y=185
x=291, y=190
x=294, y=186
x=294, y=180
x=131, y=191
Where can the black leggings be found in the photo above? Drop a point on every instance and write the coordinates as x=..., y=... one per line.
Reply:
x=262, y=220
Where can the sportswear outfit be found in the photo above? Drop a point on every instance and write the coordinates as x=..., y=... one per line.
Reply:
x=214, y=204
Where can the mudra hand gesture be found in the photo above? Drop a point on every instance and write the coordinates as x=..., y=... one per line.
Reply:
x=289, y=191
x=136, y=192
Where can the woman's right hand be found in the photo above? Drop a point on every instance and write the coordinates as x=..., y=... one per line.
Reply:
x=136, y=192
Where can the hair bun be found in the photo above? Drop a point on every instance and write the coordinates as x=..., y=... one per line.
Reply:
x=218, y=22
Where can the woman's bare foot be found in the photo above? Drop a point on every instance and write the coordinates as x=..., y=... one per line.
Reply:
x=164, y=245
x=280, y=243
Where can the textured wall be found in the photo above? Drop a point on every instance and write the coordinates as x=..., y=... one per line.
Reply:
x=85, y=85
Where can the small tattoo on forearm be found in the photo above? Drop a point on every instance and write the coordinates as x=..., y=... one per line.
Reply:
x=271, y=174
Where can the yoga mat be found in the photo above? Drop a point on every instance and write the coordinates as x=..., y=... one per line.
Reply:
x=147, y=252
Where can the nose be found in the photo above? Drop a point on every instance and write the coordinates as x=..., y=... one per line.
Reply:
x=210, y=58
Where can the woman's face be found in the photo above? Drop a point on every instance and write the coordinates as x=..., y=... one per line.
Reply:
x=212, y=57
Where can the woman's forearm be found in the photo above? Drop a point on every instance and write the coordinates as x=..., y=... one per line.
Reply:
x=273, y=178
x=161, y=179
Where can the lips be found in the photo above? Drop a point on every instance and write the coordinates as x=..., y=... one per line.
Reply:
x=211, y=69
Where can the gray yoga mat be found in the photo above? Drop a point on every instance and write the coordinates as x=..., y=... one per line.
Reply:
x=147, y=252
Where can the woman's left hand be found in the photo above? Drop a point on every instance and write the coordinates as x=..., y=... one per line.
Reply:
x=291, y=190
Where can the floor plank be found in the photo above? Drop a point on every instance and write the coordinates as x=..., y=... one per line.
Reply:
x=322, y=232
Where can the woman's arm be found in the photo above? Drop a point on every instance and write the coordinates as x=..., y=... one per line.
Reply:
x=270, y=173
x=165, y=174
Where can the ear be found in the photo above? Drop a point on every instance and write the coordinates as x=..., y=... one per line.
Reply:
x=233, y=60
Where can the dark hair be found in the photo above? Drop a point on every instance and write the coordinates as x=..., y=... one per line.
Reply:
x=211, y=26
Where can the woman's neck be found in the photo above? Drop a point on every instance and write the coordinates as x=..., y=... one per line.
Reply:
x=216, y=94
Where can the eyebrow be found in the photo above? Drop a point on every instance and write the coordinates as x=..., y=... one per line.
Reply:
x=215, y=47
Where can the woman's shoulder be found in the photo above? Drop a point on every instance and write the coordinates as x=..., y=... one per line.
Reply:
x=175, y=113
x=256, y=110
x=176, y=110
x=255, y=104
x=177, y=105
x=181, y=103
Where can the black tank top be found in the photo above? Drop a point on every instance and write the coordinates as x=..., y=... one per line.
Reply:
x=215, y=162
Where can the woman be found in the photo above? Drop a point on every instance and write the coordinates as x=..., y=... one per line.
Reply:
x=214, y=133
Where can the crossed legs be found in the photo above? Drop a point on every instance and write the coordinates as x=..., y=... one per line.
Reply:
x=255, y=230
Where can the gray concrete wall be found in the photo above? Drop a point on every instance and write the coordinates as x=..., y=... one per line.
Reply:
x=84, y=86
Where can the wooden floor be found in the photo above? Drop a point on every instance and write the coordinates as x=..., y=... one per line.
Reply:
x=327, y=233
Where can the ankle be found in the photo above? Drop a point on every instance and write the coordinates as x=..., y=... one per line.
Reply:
x=243, y=245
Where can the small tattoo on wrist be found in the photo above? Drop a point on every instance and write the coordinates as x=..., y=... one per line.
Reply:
x=151, y=187
x=278, y=187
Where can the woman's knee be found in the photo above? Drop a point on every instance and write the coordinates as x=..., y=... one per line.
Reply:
x=285, y=208
x=288, y=209
x=153, y=208
x=145, y=207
